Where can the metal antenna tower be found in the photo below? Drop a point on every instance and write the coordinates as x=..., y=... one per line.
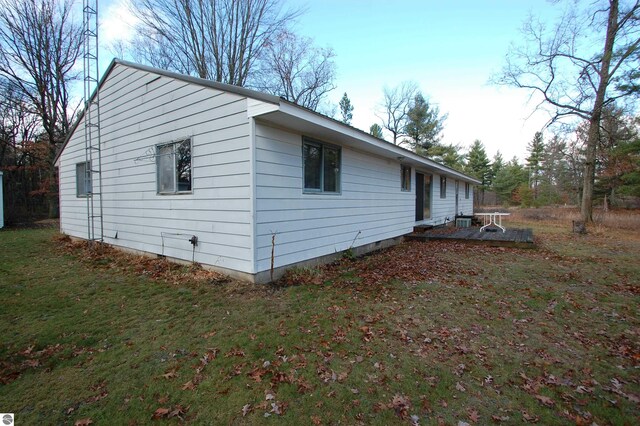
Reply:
x=93, y=148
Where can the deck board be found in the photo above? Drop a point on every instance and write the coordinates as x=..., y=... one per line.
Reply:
x=513, y=237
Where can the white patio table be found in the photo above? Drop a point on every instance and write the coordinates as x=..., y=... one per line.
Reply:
x=492, y=219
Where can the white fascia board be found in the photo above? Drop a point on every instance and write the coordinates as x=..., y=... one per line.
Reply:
x=364, y=139
x=256, y=107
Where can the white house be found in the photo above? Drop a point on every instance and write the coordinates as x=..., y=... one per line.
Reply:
x=247, y=174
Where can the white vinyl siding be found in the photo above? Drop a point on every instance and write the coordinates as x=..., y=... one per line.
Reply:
x=141, y=111
x=369, y=209
x=443, y=210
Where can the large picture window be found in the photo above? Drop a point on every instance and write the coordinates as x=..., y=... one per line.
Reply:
x=443, y=187
x=406, y=178
x=173, y=162
x=321, y=165
x=83, y=179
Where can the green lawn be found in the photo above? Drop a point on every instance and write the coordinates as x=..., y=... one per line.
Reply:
x=430, y=332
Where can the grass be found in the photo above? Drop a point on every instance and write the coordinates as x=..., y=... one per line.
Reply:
x=433, y=333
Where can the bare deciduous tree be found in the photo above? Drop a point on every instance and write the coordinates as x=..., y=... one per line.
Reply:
x=18, y=122
x=291, y=67
x=395, y=106
x=574, y=78
x=213, y=39
x=39, y=46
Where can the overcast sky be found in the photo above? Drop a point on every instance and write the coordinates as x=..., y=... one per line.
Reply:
x=449, y=48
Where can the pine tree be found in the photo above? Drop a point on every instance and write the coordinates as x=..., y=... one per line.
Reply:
x=496, y=166
x=424, y=124
x=346, y=109
x=376, y=130
x=534, y=162
x=507, y=181
x=555, y=184
x=449, y=155
x=479, y=166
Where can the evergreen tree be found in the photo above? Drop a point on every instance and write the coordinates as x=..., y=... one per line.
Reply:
x=478, y=166
x=346, y=109
x=449, y=155
x=507, y=181
x=555, y=184
x=424, y=124
x=496, y=166
x=376, y=130
x=534, y=162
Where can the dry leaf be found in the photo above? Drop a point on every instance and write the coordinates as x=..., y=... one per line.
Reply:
x=83, y=422
x=246, y=409
x=189, y=385
x=473, y=415
x=545, y=400
x=160, y=413
x=401, y=405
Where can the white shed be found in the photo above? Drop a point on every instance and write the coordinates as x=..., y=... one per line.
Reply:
x=248, y=174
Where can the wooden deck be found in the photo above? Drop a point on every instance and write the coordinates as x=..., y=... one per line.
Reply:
x=521, y=238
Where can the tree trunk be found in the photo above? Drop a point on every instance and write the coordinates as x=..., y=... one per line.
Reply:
x=586, y=210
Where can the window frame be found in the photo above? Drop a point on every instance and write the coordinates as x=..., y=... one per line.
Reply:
x=443, y=186
x=323, y=146
x=467, y=186
x=403, y=180
x=88, y=184
x=174, y=144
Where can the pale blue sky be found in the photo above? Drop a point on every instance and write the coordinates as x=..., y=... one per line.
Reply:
x=450, y=48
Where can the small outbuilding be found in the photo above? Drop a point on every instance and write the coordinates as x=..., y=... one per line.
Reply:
x=242, y=181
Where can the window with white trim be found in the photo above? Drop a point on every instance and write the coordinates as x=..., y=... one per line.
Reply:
x=443, y=187
x=83, y=179
x=406, y=178
x=173, y=161
x=467, y=186
x=321, y=163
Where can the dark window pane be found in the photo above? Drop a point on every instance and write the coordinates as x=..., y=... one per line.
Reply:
x=183, y=165
x=427, y=197
x=406, y=178
x=312, y=166
x=83, y=179
x=331, y=170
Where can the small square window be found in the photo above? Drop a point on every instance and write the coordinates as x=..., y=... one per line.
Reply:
x=173, y=162
x=321, y=165
x=406, y=178
x=83, y=179
x=443, y=187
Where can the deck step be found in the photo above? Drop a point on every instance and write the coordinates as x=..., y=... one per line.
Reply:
x=521, y=238
x=421, y=229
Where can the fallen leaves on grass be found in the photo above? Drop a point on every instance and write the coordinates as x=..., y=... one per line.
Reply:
x=106, y=256
x=177, y=411
x=401, y=404
x=545, y=400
